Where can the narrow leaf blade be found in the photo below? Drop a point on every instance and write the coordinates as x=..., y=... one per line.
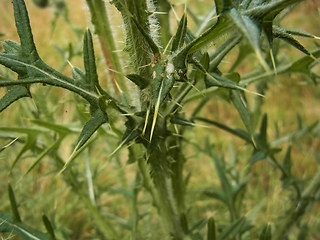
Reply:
x=13, y=203
x=24, y=29
x=13, y=95
x=211, y=233
x=98, y=118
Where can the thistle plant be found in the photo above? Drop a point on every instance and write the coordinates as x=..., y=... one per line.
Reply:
x=145, y=111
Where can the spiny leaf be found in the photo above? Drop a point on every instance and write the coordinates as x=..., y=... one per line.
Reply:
x=301, y=33
x=140, y=81
x=215, y=80
x=251, y=31
x=281, y=33
x=14, y=206
x=12, y=47
x=223, y=26
x=89, y=61
x=76, y=153
x=211, y=232
x=273, y=8
x=24, y=30
x=180, y=35
x=78, y=74
x=97, y=119
x=242, y=109
x=237, y=132
x=9, y=226
x=303, y=64
x=204, y=61
x=223, y=50
x=13, y=95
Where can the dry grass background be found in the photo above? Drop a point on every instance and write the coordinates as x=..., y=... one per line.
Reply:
x=285, y=98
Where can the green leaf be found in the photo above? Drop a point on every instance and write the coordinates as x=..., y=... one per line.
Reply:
x=52, y=147
x=262, y=140
x=14, y=206
x=180, y=35
x=9, y=226
x=49, y=227
x=237, y=132
x=223, y=50
x=226, y=185
x=24, y=30
x=219, y=6
x=62, y=130
x=140, y=81
x=301, y=33
x=28, y=145
x=219, y=29
x=97, y=119
x=11, y=47
x=204, y=61
x=89, y=61
x=211, y=232
x=281, y=33
x=257, y=156
x=266, y=233
x=242, y=109
x=234, y=229
x=13, y=95
x=251, y=30
x=301, y=65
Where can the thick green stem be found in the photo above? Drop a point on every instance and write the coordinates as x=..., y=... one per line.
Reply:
x=101, y=22
x=160, y=188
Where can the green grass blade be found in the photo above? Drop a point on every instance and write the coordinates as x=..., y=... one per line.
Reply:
x=266, y=233
x=52, y=147
x=14, y=206
x=211, y=232
x=232, y=230
x=49, y=227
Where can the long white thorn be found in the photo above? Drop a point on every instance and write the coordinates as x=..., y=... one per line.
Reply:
x=146, y=122
x=156, y=110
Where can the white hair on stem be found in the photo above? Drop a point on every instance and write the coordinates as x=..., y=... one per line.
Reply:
x=154, y=26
